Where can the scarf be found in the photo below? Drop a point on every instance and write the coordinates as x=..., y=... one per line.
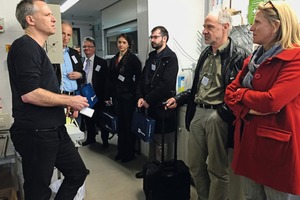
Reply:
x=257, y=58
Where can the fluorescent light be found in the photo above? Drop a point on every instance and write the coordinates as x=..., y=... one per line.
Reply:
x=67, y=5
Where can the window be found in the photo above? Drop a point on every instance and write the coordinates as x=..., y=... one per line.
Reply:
x=76, y=37
x=112, y=34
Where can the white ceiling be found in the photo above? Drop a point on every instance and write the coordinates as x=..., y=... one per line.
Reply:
x=84, y=9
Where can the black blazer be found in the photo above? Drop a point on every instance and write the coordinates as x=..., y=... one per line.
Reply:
x=130, y=68
x=77, y=67
x=99, y=80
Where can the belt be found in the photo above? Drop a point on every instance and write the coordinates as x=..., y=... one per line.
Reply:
x=38, y=130
x=205, y=106
x=68, y=93
x=45, y=129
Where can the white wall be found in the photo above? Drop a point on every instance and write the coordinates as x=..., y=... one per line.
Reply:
x=295, y=6
x=143, y=32
x=183, y=20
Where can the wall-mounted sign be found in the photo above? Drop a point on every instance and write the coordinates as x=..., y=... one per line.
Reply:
x=252, y=8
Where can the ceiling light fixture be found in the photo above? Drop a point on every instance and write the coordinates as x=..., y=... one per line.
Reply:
x=67, y=5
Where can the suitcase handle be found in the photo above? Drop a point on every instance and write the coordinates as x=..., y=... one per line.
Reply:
x=163, y=137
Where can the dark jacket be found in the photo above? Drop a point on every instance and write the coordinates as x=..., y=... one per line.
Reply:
x=124, y=76
x=77, y=67
x=156, y=86
x=99, y=80
x=232, y=59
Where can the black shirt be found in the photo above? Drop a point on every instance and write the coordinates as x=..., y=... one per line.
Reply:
x=29, y=69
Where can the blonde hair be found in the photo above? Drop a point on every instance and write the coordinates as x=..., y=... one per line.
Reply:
x=288, y=33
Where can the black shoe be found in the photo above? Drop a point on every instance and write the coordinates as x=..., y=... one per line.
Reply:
x=88, y=142
x=127, y=159
x=118, y=157
x=139, y=174
x=105, y=144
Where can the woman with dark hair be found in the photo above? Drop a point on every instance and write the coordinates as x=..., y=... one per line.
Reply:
x=124, y=73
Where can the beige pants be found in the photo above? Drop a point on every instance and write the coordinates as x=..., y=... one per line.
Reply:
x=207, y=154
x=235, y=181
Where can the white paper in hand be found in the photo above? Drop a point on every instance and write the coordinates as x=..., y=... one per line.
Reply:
x=87, y=111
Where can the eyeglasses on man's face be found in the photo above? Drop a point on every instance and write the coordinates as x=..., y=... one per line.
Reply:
x=274, y=8
x=155, y=36
x=88, y=47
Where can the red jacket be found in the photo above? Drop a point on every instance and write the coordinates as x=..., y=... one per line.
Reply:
x=267, y=148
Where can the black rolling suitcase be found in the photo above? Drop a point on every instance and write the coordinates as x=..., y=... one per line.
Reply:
x=167, y=180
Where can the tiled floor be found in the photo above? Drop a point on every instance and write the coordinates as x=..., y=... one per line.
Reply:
x=110, y=179
x=113, y=180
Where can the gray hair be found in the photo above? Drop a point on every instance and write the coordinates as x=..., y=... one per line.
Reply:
x=223, y=18
x=25, y=8
x=89, y=39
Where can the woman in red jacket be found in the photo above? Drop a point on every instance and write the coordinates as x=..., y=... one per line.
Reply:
x=265, y=98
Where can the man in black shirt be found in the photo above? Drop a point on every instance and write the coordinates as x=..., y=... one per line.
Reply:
x=38, y=132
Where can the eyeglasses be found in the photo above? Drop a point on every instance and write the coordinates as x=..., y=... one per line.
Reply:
x=274, y=8
x=155, y=36
x=89, y=47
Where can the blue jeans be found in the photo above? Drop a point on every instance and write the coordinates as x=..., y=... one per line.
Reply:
x=42, y=150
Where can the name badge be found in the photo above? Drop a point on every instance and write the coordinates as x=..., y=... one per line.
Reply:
x=204, y=80
x=153, y=67
x=98, y=67
x=121, y=78
x=74, y=59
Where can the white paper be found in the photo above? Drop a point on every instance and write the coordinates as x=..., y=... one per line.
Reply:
x=87, y=111
x=98, y=67
x=74, y=59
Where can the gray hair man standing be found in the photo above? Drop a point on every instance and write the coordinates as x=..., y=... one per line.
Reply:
x=38, y=132
x=206, y=112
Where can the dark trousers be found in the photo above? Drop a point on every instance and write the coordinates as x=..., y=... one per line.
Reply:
x=126, y=139
x=41, y=151
x=91, y=129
